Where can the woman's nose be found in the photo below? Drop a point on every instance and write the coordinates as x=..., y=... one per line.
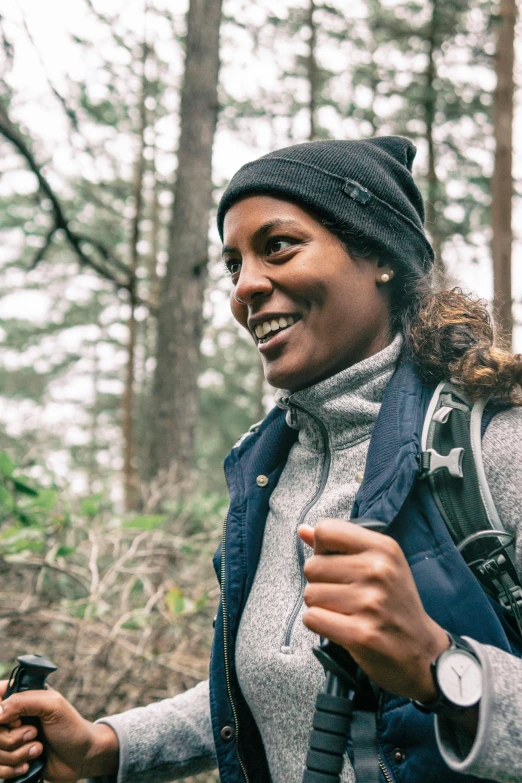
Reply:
x=252, y=282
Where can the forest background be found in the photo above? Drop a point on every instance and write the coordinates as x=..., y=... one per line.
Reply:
x=123, y=380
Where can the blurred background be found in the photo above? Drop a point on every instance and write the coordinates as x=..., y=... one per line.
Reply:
x=123, y=379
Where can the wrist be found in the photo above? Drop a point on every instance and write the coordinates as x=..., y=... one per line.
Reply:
x=425, y=690
x=102, y=758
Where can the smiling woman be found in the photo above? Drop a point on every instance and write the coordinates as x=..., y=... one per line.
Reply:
x=330, y=274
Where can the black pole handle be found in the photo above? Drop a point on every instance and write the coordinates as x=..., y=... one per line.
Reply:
x=30, y=675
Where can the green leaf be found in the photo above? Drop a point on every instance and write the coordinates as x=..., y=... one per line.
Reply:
x=23, y=488
x=6, y=464
x=145, y=522
x=135, y=623
x=90, y=507
x=29, y=520
x=63, y=551
x=6, y=498
x=201, y=603
x=23, y=545
x=46, y=499
x=174, y=601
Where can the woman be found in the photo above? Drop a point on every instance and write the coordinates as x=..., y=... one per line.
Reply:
x=330, y=269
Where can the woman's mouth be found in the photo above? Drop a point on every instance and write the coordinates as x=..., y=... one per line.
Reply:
x=272, y=327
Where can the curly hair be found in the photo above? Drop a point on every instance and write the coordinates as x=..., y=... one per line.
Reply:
x=448, y=334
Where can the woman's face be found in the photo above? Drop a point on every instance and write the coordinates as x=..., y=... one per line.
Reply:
x=311, y=310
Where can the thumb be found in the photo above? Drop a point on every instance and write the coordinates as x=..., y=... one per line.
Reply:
x=35, y=704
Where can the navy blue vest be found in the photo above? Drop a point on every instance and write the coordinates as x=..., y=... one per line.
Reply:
x=390, y=493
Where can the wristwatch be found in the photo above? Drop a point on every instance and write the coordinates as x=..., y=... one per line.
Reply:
x=457, y=675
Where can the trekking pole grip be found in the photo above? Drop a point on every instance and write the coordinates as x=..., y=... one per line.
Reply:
x=30, y=675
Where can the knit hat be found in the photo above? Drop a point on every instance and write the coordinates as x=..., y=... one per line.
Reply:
x=366, y=186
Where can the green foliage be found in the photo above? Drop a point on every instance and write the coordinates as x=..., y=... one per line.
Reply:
x=145, y=522
x=28, y=514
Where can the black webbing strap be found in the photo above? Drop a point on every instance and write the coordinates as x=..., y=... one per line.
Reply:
x=366, y=755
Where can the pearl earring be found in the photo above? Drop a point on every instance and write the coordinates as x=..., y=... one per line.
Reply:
x=385, y=278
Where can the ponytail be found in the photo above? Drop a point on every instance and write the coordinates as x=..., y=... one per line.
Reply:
x=449, y=336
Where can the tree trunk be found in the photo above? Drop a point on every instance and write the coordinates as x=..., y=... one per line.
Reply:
x=374, y=10
x=155, y=240
x=180, y=319
x=313, y=72
x=92, y=470
x=430, y=108
x=130, y=476
x=502, y=181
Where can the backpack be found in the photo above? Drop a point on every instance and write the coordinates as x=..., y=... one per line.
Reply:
x=451, y=460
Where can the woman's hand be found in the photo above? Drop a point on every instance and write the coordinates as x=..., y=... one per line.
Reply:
x=75, y=747
x=361, y=595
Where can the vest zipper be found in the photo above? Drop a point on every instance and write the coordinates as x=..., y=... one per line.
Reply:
x=384, y=770
x=286, y=646
x=225, y=648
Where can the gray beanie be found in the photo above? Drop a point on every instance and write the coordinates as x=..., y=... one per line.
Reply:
x=364, y=186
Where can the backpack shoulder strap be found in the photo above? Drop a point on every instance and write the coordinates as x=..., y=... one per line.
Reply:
x=476, y=433
x=451, y=460
x=453, y=464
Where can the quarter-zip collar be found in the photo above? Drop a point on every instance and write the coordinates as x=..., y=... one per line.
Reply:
x=347, y=404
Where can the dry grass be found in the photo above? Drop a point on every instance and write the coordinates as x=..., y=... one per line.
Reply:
x=126, y=614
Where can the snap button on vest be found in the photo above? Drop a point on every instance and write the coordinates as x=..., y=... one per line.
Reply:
x=359, y=476
x=261, y=481
x=399, y=755
x=227, y=733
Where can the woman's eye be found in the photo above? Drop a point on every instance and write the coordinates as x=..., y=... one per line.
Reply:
x=277, y=245
x=233, y=267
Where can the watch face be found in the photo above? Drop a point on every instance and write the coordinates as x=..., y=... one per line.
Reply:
x=459, y=675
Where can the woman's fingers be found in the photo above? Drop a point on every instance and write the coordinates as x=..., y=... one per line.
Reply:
x=344, y=569
x=345, y=599
x=336, y=536
x=22, y=755
x=12, y=772
x=11, y=739
x=45, y=704
x=17, y=748
x=343, y=630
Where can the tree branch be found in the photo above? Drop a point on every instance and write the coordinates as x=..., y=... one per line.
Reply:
x=43, y=250
x=119, y=274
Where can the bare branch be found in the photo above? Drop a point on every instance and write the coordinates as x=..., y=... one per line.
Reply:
x=71, y=114
x=43, y=250
x=120, y=274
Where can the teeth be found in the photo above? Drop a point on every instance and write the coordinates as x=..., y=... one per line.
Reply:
x=274, y=325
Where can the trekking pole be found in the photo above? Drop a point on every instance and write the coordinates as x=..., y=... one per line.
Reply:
x=30, y=675
x=334, y=709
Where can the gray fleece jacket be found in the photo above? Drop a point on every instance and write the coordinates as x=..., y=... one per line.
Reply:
x=277, y=671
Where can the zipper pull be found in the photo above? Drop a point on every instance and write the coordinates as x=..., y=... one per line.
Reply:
x=293, y=416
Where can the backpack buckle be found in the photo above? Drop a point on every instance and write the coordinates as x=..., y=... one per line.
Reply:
x=431, y=461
